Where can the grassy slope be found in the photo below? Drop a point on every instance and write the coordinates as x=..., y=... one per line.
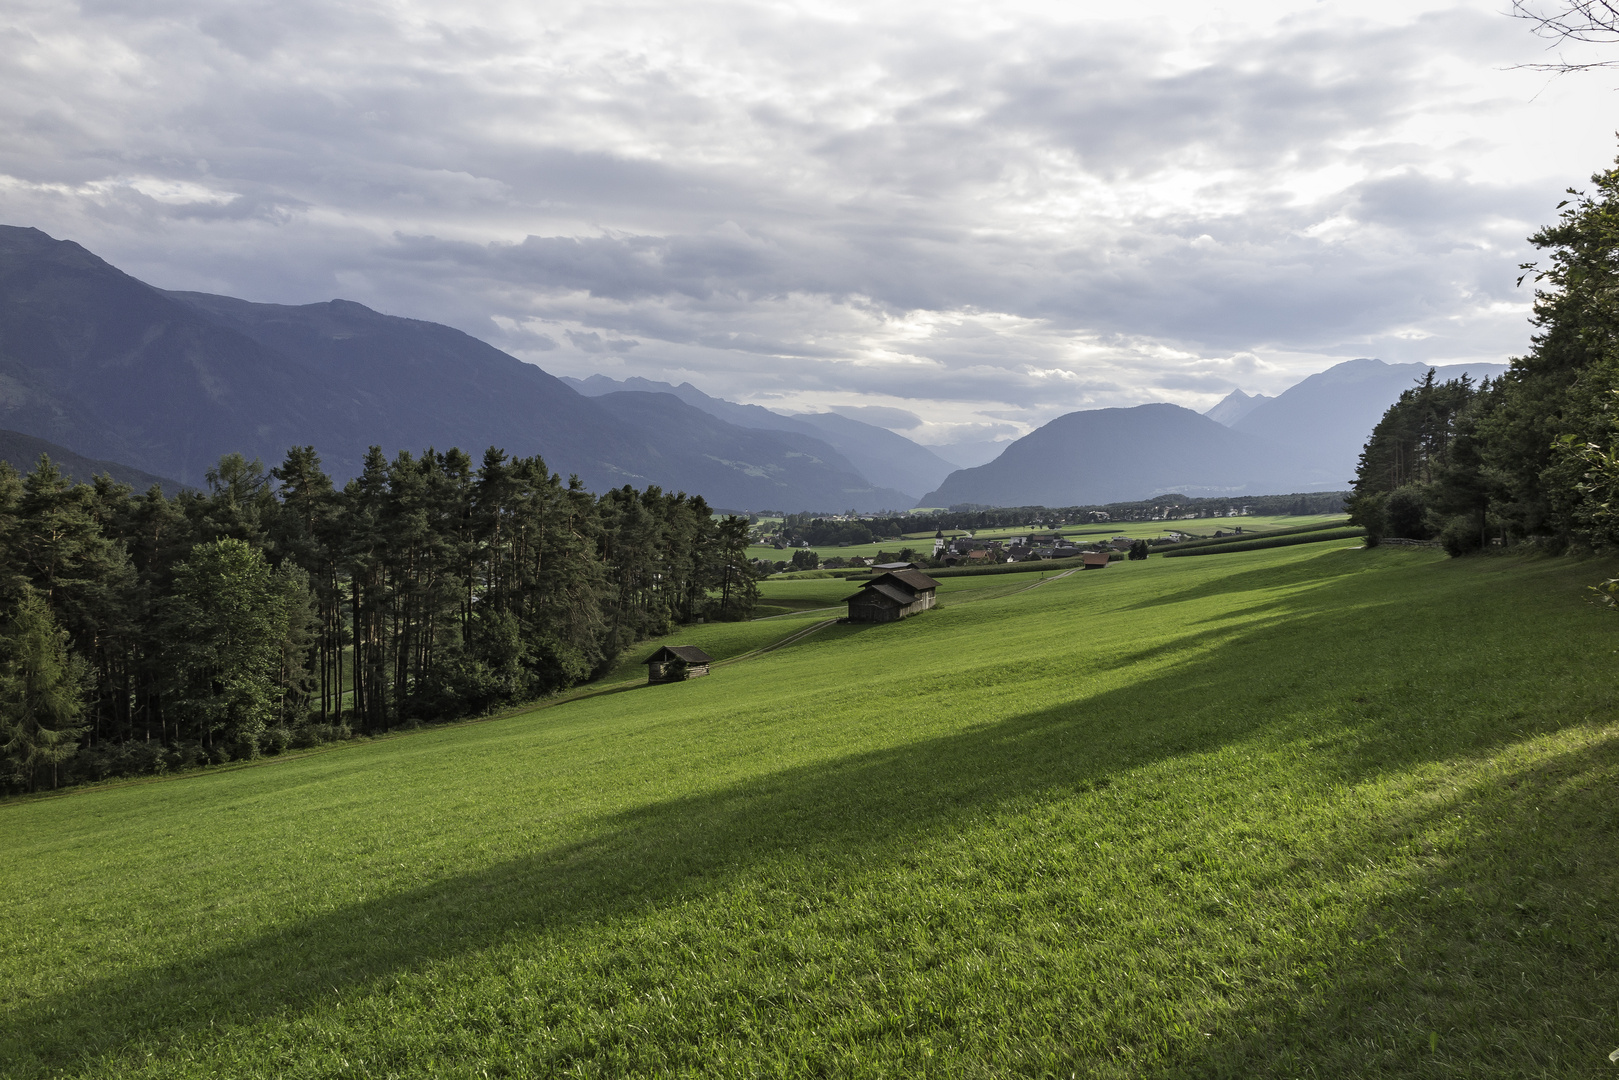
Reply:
x=1305, y=812
x=789, y=596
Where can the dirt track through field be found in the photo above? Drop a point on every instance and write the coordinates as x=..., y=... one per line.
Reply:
x=1042, y=581
x=791, y=639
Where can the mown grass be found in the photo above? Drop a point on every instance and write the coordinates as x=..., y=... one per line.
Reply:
x=1313, y=811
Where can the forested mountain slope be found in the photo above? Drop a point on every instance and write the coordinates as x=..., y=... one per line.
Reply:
x=22, y=452
x=419, y=384
x=886, y=459
x=109, y=367
x=760, y=469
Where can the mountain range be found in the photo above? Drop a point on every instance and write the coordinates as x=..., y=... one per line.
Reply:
x=1327, y=417
x=96, y=361
x=878, y=453
x=1101, y=456
x=112, y=372
x=1307, y=438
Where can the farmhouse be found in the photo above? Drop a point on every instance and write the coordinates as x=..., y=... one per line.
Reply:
x=674, y=663
x=892, y=596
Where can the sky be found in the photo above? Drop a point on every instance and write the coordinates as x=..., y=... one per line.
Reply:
x=954, y=220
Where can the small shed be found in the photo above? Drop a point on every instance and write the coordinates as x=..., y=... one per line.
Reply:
x=1096, y=560
x=892, y=596
x=675, y=663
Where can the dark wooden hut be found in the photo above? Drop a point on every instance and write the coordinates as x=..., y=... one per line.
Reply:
x=1096, y=560
x=675, y=663
x=892, y=596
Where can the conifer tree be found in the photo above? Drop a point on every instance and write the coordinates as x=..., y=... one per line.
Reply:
x=227, y=624
x=42, y=687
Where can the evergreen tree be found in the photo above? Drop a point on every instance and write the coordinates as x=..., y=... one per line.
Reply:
x=1554, y=398
x=227, y=625
x=1410, y=473
x=84, y=576
x=229, y=620
x=42, y=688
x=307, y=530
x=11, y=577
x=734, y=576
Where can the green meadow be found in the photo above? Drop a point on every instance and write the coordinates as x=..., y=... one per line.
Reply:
x=923, y=541
x=1315, y=811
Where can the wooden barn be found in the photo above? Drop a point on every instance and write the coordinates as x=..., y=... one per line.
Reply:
x=675, y=663
x=1096, y=560
x=892, y=596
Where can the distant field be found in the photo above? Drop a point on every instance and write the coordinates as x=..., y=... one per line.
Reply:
x=923, y=542
x=1309, y=811
x=783, y=595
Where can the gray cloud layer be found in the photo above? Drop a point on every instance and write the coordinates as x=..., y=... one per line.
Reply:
x=979, y=225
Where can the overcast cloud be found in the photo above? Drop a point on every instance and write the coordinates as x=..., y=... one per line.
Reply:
x=954, y=221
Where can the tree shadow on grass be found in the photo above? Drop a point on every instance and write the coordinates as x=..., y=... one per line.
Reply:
x=1300, y=573
x=1497, y=956
x=877, y=805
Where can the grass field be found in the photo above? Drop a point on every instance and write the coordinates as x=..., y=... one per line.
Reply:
x=923, y=542
x=1311, y=811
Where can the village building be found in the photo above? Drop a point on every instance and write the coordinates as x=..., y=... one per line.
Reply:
x=970, y=555
x=892, y=596
x=676, y=663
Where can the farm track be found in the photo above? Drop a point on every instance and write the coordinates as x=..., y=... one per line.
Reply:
x=795, y=614
x=1043, y=581
x=791, y=639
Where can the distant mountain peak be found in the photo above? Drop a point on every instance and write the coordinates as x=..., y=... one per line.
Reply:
x=1234, y=406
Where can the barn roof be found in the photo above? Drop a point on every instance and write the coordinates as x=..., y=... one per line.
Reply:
x=885, y=590
x=691, y=654
x=914, y=580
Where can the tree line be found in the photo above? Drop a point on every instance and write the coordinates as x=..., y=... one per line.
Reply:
x=1534, y=455
x=820, y=531
x=276, y=609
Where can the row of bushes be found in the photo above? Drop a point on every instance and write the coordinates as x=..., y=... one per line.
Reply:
x=1272, y=540
x=1211, y=541
x=1016, y=568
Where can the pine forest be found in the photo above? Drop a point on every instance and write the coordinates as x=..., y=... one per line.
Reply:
x=275, y=610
